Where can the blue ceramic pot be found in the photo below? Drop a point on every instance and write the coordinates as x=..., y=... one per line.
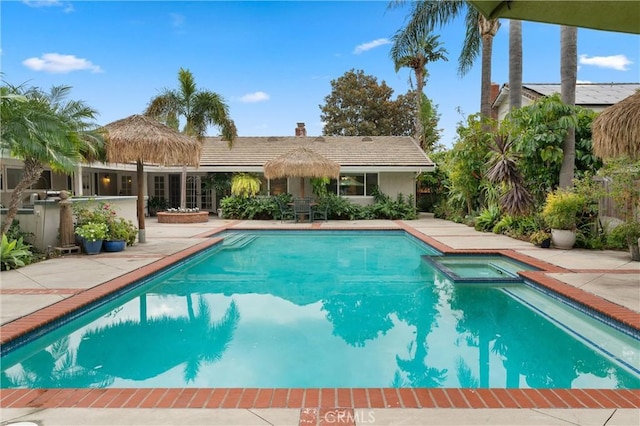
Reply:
x=92, y=247
x=116, y=245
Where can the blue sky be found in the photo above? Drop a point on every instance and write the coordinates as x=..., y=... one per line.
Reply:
x=271, y=61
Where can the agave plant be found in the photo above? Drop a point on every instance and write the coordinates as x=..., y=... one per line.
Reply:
x=503, y=169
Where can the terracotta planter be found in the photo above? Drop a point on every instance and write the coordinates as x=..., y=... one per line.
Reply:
x=113, y=246
x=563, y=239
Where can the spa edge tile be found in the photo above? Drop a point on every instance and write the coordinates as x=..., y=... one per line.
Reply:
x=327, y=397
x=391, y=397
x=263, y=398
x=360, y=398
x=137, y=398
x=440, y=398
x=168, y=398
x=217, y=396
x=151, y=401
x=553, y=398
x=311, y=397
x=248, y=397
x=408, y=398
x=456, y=398
x=281, y=398
x=505, y=399
x=489, y=399
x=122, y=399
x=376, y=400
x=232, y=398
x=344, y=398
x=424, y=398
x=471, y=395
x=200, y=398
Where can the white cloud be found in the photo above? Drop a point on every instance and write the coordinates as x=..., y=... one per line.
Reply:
x=255, y=97
x=177, y=20
x=68, y=7
x=583, y=82
x=371, y=45
x=616, y=62
x=56, y=63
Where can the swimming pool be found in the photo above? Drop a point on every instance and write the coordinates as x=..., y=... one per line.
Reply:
x=325, y=309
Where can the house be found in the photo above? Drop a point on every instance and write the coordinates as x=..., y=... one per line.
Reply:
x=390, y=162
x=595, y=96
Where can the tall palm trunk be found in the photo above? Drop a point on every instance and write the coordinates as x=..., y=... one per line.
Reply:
x=568, y=77
x=488, y=29
x=515, y=64
x=417, y=119
x=31, y=174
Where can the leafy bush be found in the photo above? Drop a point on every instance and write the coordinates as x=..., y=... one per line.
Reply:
x=122, y=229
x=561, y=209
x=14, y=253
x=487, y=219
x=15, y=232
x=92, y=231
x=624, y=234
x=260, y=208
x=385, y=208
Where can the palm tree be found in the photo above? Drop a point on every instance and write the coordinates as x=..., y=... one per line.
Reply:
x=480, y=31
x=415, y=49
x=568, y=77
x=515, y=64
x=198, y=108
x=45, y=129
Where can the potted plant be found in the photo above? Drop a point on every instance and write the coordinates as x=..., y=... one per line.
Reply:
x=156, y=204
x=627, y=233
x=92, y=234
x=541, y=238
x=121, y=232
x=560, y=213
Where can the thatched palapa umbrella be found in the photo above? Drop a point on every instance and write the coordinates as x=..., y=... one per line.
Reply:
x=301, y=162
x=616, y=131
x=140, y=139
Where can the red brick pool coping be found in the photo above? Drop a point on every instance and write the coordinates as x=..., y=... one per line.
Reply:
x=314, y=403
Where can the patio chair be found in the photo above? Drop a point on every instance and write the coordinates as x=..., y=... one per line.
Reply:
x=320, y=211
x=302, y=207
x=286, y=211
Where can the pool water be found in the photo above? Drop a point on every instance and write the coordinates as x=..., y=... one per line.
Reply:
x=300, y=309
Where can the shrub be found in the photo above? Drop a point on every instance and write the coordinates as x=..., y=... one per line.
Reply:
x=14, y=253
x=92, y=231
x=624, y=234
x=487, y=219
x=561, y=209
x=122, y=229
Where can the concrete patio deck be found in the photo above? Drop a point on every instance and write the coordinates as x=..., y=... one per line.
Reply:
x=606, y=280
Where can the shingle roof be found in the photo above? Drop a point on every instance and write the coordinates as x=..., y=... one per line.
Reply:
x=591, y=93
x=379, y=151
x=587, y=94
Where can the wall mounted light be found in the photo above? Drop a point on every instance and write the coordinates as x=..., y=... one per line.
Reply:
x=106, y=179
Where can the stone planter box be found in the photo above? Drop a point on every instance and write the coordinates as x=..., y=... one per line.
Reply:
x=196, y=217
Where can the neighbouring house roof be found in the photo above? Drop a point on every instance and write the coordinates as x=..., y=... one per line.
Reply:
x=587, y=94
x=396, y=153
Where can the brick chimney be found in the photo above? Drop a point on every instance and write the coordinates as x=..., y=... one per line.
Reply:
x=300, y=130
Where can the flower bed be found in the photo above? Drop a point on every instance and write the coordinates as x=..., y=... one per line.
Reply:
x=179, y=217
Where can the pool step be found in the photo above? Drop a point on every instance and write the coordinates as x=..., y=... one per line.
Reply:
x=237, y=241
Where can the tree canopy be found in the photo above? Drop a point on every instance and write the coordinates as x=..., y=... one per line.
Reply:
x=360, y=106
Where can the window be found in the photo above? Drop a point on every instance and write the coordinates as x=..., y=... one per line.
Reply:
x=14, y=176
x=125, y=185
x=158, y=186
x=278, y=186
x=354, y=184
